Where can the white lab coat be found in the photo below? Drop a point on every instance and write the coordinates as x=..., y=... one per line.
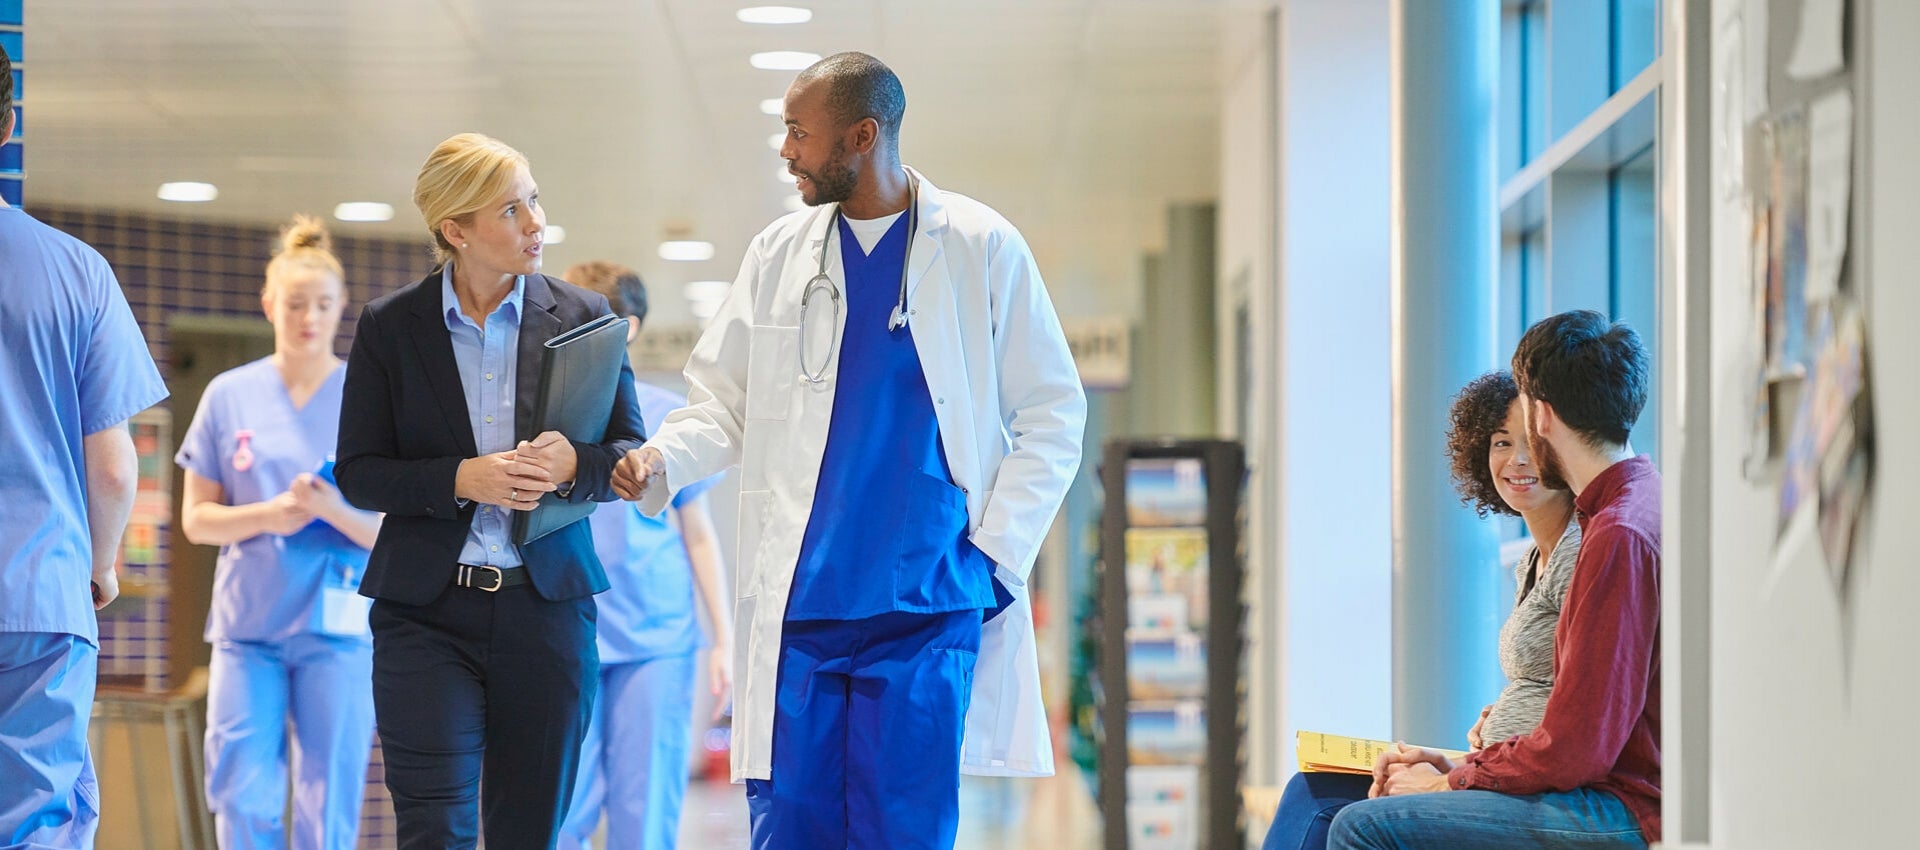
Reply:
x=1011, y=414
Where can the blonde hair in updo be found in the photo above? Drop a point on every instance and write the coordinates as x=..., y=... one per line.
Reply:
x=462, y=175
x=303, y=244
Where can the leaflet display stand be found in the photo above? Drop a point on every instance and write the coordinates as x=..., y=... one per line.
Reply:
x=1168, y=684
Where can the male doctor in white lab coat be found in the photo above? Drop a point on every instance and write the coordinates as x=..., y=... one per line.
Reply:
x=890, y=376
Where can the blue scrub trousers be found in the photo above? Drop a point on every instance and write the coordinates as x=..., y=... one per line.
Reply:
x=633, y=764
x=1488, y=820
x=868, y=717
x=48, y=796
x=323, y=684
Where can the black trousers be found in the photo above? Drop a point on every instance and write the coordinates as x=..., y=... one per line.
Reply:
x=483, y=697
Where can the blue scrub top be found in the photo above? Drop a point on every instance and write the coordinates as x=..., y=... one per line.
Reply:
x=268, y=587
x=648, y=612
x=72, y=363
x=888, y=530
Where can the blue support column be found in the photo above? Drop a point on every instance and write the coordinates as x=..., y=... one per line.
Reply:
x=12, y=165
x=1446, y=570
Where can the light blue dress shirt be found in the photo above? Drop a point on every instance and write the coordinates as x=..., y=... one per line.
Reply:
x=249, y=438
x=73, y=363
x=487, y=359
x=648, y=612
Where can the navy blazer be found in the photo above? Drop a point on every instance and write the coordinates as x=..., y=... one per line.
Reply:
x=404, y=430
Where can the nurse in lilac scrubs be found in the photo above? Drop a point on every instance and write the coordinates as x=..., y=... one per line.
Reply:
x=291, y=648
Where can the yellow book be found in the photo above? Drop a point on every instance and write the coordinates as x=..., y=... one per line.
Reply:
x=1319, y=752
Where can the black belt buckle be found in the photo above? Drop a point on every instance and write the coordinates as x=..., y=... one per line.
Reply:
x=467, y=573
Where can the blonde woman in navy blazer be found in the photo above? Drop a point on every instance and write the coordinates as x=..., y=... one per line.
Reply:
x=484, y=665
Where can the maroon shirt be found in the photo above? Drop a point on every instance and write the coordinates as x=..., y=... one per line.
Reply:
x=1602, y=723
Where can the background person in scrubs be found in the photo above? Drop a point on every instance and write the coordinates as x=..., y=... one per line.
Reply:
x=634, y=762
x=73, y=369
x=288, y=628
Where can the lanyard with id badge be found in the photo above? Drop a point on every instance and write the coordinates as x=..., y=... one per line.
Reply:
x=343, y=611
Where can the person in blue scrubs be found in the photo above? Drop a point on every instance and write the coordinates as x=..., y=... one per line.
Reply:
x=633, y=765
x=73, y=370
x=291, y=648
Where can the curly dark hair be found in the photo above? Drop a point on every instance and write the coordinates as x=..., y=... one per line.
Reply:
x=1478, y=411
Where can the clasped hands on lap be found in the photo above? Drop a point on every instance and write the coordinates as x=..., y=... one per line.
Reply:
x=1409, y=770
x=516, y=479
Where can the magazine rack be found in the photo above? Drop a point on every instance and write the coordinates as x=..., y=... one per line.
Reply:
x=1168, y=686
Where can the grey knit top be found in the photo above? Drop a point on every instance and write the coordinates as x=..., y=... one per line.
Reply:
x=1526, y=641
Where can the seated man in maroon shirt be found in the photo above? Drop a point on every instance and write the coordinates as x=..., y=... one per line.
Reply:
x=1589, y=776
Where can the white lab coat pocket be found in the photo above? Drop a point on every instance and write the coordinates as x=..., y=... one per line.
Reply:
x=773, y=370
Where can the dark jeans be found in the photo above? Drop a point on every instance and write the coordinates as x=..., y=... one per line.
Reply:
x=483, y=697
x=1307, y=808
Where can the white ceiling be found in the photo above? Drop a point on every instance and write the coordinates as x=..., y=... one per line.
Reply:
x=1078, y=119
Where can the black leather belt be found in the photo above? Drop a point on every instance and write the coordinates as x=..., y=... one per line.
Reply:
x=487, y=578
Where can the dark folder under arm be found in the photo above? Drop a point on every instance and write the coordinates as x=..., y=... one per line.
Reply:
x=577, y=387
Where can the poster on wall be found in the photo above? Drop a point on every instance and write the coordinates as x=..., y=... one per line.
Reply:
x=1843, y=427
x=1829, y=192
x=1787, y=259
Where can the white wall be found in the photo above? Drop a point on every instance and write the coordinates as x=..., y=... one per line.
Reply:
x=1321, y=495
x=1814, y=688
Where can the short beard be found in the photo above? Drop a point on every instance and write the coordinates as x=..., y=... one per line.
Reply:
x=835, y=181
x=1546, y=461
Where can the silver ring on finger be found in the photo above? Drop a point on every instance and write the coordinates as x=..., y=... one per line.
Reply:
x=513, y=495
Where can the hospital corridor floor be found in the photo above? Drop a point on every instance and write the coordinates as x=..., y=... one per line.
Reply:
x=1056, y=813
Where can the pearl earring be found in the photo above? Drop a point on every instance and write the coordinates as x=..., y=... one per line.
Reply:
x=463, y=244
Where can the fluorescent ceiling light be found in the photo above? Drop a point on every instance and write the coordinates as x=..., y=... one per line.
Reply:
x=785, y=176
x=783, y=60
x=703, y=310
x=775, y=106
x=777, y=140
x=794, y=203
x=706, y=290
x=686, y=251
x=554, y=235
x=774, y=15
x=188, y=193
x=363, y=211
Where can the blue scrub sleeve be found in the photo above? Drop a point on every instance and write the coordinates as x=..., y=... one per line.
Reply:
x=693, y=491
x=200, y=448
x=117, y=375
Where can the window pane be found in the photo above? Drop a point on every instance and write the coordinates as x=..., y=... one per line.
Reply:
x=1533, y=80
x=1635, y=287
x=1636, y=25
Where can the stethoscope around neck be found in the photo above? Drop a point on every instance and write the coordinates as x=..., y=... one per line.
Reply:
x=821, y=281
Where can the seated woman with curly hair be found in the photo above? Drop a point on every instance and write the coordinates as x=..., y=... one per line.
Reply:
x=1494, y=474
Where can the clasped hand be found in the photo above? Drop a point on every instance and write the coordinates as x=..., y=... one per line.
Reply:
x=1409, y=770
x=516, y=479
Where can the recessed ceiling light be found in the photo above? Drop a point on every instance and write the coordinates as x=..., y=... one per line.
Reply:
x=363, y=211
x=188, y=193
x=686, y=251
x=774, y=15
x=783, y=60
x=775, y=106
x=777, y=140
x=794, y=203
x=706, y=290
x=554, y=235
